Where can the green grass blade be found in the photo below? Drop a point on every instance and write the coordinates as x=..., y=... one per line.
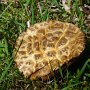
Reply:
x=71, y=86
x=45, y=15
x=83, y=69
x=32, y=11
x=88, y=66
x=5, y=10
x=5, y=71
x=27, y=2
x=55, y=2
x=19, y=24
x=60, y=70
x=88, y=75
x=77, y=8
x=6, y=46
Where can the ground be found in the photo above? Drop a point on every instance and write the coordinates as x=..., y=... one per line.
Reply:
x=13, y=19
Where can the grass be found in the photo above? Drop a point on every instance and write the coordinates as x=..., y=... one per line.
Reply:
x=13, y=18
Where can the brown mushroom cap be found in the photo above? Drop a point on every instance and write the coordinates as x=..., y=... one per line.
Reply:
x=45, y=45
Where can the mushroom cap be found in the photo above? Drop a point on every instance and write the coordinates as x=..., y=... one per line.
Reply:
x=44, y=46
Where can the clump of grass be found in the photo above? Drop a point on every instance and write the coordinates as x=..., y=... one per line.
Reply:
x=13, y=18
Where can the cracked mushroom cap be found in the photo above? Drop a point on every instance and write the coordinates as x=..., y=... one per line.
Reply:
x=47, y=44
